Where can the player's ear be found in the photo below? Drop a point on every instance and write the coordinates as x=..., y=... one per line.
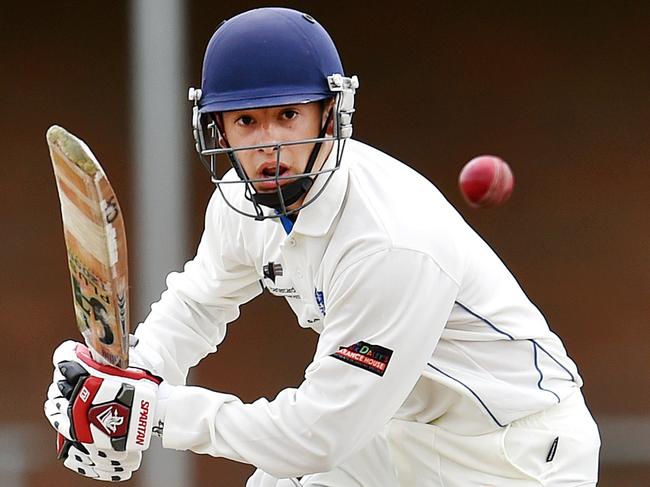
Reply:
x=218, y=120
x=327, y=113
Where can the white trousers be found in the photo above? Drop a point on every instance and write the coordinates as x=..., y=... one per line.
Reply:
x=557, y=447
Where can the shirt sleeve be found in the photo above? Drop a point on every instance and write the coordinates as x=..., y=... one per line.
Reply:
x=395, y=303
x=190, y=319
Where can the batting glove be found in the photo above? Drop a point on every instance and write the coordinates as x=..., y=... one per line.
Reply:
x=109, y=408
x=97, y=464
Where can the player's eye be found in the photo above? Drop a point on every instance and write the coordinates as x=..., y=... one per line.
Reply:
x=289, y=114
x=245, y=120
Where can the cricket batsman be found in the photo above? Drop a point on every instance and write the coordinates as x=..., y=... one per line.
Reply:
x=432, y=368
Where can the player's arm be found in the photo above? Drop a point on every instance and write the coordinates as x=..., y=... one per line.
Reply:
x=190, y=319
x=394, y=303
x=187, y=323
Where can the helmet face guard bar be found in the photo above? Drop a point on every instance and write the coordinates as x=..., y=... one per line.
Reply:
x=207, y=136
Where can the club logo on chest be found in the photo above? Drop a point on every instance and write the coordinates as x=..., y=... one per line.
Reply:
x=277, y=282
x=272, y=270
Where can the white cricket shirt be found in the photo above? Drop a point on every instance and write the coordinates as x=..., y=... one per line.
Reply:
x=417, y=316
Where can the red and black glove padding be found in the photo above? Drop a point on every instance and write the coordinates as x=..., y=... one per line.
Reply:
x=94, y=404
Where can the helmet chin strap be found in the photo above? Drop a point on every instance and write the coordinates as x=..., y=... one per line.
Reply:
x=290, y=193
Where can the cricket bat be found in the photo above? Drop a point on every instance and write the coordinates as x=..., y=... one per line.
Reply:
x=95, y=241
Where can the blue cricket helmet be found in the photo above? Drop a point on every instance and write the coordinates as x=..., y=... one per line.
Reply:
x=267, y=57
x=264, y=58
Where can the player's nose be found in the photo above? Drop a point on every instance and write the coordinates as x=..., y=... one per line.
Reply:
x=268, y=134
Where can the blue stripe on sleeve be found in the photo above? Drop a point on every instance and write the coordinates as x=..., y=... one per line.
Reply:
x=484, y=320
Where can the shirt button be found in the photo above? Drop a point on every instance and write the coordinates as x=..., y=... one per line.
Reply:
x=299, y=274
x=291, y=242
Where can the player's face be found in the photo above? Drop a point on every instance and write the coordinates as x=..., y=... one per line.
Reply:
x=276, y=125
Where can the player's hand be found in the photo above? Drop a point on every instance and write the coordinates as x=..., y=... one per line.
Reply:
x=95, y=404
x=96, y=464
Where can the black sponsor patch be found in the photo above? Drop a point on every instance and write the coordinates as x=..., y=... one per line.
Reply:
x=373, y=358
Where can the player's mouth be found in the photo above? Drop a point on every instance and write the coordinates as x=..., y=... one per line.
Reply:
x=268, y=172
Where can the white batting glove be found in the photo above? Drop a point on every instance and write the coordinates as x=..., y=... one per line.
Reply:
x=97, y=464
x=103, y=406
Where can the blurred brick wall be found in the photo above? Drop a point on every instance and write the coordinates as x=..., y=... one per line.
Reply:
x=561, y=94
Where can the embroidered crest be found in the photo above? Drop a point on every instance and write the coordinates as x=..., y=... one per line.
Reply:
x=320, y=300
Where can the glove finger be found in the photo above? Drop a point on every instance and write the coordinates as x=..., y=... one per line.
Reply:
x=80, y=457
x=64, y=387
x=54, y=394
x=65, y=352
x=132, y=460
x=72, y=371
x=81, y=467
x=110, y=476
x=56, y=413
x=82, y=463
x=106, y=459
x=57, y=375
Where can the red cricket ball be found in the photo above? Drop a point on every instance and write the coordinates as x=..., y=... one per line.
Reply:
x=486, y=181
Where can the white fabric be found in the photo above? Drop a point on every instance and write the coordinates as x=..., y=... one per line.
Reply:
x=518, y=455
x=380, y=257
x=413, y=454
x=263, y=479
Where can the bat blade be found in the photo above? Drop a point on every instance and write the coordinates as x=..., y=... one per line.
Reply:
x=95, y=240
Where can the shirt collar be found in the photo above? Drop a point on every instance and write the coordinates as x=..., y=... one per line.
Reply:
x=316, y=219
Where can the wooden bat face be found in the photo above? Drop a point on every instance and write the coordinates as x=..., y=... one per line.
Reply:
x=96, y=245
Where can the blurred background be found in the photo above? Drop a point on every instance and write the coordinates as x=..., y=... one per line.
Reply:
x=560, y=92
